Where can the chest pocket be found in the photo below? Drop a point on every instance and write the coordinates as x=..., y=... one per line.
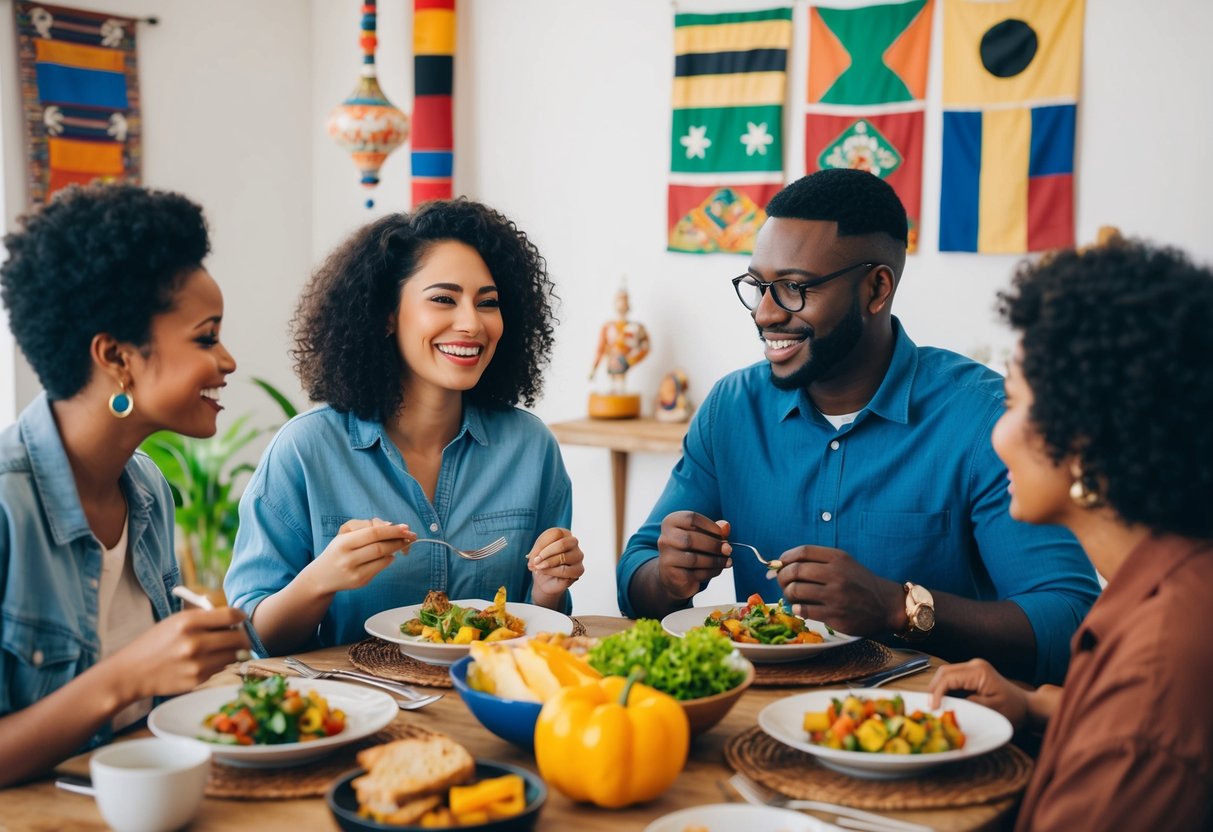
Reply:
x=517, y=519
x=39, y=659
x=897, y=544
x=330, y=524
x=507, y=568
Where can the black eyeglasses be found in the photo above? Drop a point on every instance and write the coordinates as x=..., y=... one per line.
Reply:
x=788, y=294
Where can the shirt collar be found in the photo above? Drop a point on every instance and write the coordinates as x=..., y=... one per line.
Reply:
x=52, y=474
x=364, y=433
x=1144, y=570
x=892, y=398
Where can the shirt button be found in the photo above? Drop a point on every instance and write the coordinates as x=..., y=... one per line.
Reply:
x=826, y=516
x=37, y=658
x=834, y=445
x=93, y=583
x=433, y=527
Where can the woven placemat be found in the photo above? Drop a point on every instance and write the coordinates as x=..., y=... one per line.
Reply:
x=383, y=658
x=838, y=665
x=1000, y=774
x=309, y=780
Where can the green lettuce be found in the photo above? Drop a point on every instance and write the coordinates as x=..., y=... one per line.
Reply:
x=701, y=663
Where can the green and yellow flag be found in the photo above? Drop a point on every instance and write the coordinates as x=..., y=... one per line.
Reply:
x=726, y=144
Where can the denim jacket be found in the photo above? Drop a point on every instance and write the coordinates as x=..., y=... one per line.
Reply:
x=50, y=562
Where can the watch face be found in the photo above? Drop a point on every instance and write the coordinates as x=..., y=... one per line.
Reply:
x=924, y=618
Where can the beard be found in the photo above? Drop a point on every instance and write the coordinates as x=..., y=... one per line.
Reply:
x=826, y=352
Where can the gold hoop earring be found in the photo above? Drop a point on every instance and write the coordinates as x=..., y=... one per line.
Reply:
x=122, y=403
x=1082, y=496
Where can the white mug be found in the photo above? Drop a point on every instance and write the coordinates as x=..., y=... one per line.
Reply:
x=150, y=785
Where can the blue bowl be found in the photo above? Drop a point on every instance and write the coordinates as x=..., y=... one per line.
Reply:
x=510, y=719
x=343, y=803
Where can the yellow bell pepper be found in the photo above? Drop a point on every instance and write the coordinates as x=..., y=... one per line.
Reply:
x=612, y=743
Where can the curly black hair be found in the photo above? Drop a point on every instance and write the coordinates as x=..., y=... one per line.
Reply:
x=341, y=354
x=1117, y=343
x=858, y=201
x=99, y=258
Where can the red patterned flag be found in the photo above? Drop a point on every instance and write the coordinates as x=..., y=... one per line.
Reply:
x=433, y=83
x=726, y=145
x=866, y=87
x=80, y=95
x=1011, y=78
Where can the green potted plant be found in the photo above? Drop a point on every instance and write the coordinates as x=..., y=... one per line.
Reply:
x=203, y=475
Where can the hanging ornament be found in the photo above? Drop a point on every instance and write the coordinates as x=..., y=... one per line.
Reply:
x=366, y=125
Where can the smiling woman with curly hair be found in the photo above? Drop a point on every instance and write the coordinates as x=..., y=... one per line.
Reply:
x=1109, y=432
x=420, y=334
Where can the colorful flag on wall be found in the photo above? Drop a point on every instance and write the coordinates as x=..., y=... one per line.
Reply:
x=1010, y=94
x=726, y=145
x=80, y=97
x=433, y=85
x=866, y=89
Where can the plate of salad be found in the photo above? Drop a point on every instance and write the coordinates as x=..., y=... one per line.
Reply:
x=880, y=734
x=763, y=633
x=439, y=630
x=276, y=721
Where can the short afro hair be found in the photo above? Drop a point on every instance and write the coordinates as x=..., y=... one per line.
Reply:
x=1117, y=343
x=342, y=354
x=860, y=202
x=97, y=259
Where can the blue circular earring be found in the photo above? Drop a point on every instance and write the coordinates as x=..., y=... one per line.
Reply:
x=122, y=404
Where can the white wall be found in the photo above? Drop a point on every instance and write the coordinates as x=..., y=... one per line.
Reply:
x=562, y=119
x=226, y=100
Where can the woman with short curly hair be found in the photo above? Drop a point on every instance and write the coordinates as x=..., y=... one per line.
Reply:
x=108, y=299
x=420, y=334
x=1109, y=432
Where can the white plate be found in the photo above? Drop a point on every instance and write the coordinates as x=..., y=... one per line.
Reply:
x=984, y=730
x=386, y=625
x=677, y=623
x=366, y=711
x=730, y=817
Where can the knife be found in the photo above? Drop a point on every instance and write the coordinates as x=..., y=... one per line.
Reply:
x=906, y=668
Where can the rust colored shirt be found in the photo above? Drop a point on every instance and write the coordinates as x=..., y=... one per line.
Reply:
x=1131, y=744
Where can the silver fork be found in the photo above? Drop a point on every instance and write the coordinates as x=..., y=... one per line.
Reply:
x=760, y=795
x=415, y=697
x=772, y=565
x=473, y=554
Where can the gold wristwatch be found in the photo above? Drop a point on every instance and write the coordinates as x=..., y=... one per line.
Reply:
x=920, y=613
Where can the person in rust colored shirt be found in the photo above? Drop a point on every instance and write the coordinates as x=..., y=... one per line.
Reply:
x=1108, y=433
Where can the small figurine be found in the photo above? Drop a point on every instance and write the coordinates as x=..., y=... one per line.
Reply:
x=673, y=405
x=624, y=344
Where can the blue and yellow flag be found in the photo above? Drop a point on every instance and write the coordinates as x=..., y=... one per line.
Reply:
x=726, y=145
x=1010, y=94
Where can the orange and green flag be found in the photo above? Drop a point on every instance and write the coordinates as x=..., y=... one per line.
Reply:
x=866, y=94
x=726, y=143
x=1012, y=74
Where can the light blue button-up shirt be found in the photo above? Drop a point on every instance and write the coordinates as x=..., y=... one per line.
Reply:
x=50, y=562
x=912, y=489
x=501, y=476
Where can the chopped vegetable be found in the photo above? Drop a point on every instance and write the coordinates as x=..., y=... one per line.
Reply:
x=442, y=622
x=882, y=726
x=267, y=712
x=761, y=623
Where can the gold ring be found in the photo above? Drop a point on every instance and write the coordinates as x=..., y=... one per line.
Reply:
x=562, y=559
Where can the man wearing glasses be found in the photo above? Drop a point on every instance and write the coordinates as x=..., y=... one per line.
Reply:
x=859, y=460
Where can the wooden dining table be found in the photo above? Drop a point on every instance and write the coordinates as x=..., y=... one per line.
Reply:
x=41, y=807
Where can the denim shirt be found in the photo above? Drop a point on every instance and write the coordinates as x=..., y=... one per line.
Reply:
x=912, y=489
x=50, y=562
x=501, y=476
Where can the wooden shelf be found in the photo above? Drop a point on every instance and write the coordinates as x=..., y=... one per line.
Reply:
x=622, y=437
